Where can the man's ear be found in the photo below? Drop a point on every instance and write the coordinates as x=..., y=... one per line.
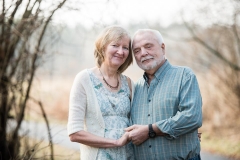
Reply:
x=163, y=46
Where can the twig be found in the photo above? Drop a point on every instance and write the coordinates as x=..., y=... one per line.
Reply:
x=47, y=124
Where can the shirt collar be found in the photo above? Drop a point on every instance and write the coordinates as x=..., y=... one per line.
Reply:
x=160, y=72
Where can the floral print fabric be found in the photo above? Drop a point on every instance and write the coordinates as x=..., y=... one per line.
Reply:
x=115, y=108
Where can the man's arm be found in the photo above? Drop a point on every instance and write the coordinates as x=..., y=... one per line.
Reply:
x=189, y=114
x=187, y=119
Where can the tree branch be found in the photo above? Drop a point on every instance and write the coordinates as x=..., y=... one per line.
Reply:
x=235, y=30
x=10, y=21
x=213, y=51
x=32, y=72
x=47, y=124
x=47, y=22
x=3, y=24
x=2, y=46
x=10, y=45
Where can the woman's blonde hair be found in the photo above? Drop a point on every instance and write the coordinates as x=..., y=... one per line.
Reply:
x=109, y=34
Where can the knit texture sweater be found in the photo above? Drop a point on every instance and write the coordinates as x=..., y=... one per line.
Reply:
x=85, y=113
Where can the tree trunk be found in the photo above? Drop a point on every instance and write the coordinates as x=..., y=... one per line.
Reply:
x=4, y=154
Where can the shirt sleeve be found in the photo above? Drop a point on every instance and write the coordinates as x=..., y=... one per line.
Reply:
x=77, y=106
x=189, y=114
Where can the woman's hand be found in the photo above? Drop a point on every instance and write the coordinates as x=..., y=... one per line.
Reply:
x=123, y=140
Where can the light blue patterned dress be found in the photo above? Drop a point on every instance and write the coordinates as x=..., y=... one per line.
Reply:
x=115, y=108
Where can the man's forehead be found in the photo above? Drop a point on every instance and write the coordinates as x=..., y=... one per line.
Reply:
x=144, y=34
x=143, y=39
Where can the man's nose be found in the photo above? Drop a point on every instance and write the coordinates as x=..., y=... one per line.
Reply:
x=144, y=52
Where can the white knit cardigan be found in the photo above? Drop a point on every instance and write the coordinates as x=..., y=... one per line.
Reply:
x=84, y=112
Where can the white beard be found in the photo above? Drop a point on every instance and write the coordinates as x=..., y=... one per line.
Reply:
x=154, y=63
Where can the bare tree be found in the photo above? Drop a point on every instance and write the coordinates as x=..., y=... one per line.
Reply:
x=23, y=25
x=218, y=46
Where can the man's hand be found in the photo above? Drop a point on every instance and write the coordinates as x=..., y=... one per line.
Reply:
x=138, y=133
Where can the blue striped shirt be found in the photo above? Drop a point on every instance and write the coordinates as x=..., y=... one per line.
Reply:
x=173, y=102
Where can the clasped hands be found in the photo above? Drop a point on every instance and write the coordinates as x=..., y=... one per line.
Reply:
x=135, y=133
x=138, y=134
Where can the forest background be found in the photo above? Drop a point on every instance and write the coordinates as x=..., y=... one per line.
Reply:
x=44, y=44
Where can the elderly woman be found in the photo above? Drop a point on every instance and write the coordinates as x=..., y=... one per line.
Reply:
x=100, y=100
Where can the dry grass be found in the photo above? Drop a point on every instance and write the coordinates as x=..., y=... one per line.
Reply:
x=226, y=146
x=54, y=94
x=221, y=121
x=41, y=150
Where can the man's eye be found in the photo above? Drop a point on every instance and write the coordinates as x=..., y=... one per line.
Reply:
x=126, y=48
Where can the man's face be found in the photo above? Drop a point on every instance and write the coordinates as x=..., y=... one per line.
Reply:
x=149, y=54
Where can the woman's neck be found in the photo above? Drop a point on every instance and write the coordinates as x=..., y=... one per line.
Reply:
x=109, y=71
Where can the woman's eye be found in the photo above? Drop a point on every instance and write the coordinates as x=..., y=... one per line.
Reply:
x=126, y=48
x=114, y=45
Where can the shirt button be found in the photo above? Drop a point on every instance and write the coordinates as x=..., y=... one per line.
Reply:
x=149, y=100
x=150, y=146
x=148, y=114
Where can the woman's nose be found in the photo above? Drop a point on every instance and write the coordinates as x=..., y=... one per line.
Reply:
x=120, y=50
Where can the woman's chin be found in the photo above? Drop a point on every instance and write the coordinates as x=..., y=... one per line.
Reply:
x=117, y=64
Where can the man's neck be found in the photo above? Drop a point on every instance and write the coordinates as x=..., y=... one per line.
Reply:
x=151, y=73
x=150, y=77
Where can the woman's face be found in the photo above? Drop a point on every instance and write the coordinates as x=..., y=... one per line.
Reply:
x=116, y=52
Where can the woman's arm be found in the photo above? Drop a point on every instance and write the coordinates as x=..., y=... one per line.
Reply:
x=77, y=109
x=96, y=141
x=77, y=105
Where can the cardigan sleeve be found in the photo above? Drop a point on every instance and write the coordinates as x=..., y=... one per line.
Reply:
x=77, y=105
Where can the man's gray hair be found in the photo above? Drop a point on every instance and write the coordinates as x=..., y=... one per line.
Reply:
x=155, y=32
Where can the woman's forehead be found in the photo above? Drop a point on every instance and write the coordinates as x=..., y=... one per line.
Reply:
x=121, y=39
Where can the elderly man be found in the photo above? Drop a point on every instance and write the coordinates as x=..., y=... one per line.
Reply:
x=167, y=106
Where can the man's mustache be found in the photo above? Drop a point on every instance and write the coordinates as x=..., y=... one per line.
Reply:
x=146, y=58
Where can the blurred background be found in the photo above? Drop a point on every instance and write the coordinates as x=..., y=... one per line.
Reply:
x=45, y=43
